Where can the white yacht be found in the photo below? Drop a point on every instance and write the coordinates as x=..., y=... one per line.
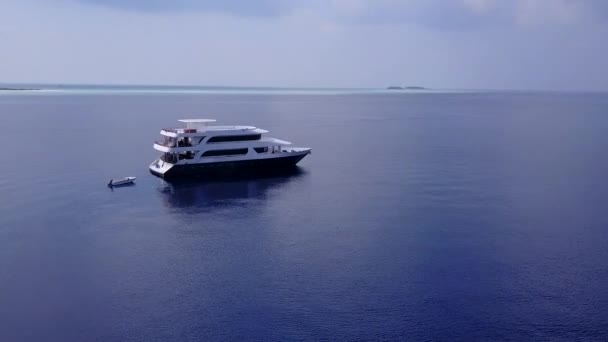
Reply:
x=201, y=149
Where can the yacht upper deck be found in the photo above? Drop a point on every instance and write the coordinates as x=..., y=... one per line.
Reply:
x=200, y=127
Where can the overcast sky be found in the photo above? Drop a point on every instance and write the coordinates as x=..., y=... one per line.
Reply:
x=498, y=44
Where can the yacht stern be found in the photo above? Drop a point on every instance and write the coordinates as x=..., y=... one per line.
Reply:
x=159, y=167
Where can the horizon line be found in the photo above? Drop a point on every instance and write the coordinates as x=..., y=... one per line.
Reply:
x=264, y=87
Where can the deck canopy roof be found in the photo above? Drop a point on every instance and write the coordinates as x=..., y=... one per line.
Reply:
x=199, y=121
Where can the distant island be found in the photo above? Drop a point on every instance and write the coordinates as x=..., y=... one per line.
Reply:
x=406, y=88
x=18, y=88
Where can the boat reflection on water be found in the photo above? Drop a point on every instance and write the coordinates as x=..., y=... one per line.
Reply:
x=211, y=193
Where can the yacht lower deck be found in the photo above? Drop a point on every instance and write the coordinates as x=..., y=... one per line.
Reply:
x=279, y=162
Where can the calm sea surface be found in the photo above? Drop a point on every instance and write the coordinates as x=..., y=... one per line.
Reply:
x=448, y=217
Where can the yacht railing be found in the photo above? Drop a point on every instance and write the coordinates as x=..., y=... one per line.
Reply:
x=172, y=144
x=180, y=130
x=165, y=143
x=173, y=158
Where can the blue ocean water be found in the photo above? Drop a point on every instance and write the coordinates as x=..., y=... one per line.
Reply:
x=431, y=216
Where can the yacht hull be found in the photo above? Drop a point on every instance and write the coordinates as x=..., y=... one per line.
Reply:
x=229, y=169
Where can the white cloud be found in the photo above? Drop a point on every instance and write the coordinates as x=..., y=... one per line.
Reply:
x=350, y=7
x=548, y=12
x=466, y=14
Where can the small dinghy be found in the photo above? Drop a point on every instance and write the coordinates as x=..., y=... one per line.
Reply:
x=121, y=181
